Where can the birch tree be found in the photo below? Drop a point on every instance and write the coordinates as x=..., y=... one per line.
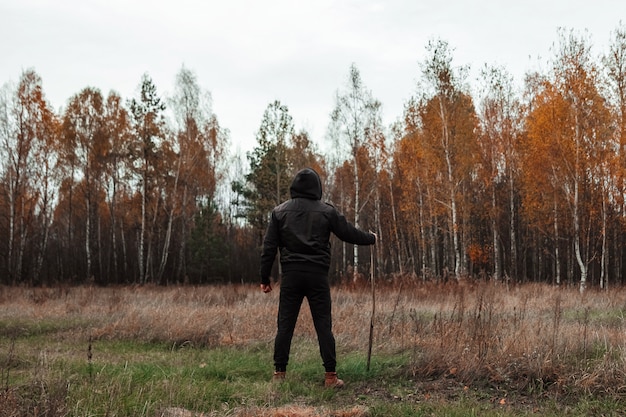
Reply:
x=568, y=128
x=449, y=124
x=84, y=137
x=25, y=128
x=500, y=116
x=196, y=163
x=354, y=113
x=615, y=67
x=117, y=172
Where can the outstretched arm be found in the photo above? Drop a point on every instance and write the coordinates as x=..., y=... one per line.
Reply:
x=346, y=231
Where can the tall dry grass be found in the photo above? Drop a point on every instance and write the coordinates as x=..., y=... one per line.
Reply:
x=532, y=338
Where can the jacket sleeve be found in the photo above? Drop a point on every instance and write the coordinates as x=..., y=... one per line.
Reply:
x=346, y=231
x=270, y=248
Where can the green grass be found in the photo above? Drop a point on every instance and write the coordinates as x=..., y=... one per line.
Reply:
x=30, y=328
x=126, y=378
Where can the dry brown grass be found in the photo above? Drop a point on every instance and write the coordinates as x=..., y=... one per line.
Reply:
x=530, y=338
x=299, y=411
x=288, y=411
x=202, y=316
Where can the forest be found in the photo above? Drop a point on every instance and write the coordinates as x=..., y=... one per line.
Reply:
x=478, y=178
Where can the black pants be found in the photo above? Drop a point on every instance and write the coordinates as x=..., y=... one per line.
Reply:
x=294, y=286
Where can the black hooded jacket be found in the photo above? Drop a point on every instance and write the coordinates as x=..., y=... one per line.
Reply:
x=300, y=228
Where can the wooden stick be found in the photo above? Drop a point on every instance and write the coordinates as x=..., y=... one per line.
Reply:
x=369, y=349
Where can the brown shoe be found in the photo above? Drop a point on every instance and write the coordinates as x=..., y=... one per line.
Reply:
x=279, y=376
x=331, y=380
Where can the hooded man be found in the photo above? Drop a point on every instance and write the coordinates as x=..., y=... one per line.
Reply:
x=300, y=230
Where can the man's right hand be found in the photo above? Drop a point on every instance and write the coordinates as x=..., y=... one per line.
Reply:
x=266, y=288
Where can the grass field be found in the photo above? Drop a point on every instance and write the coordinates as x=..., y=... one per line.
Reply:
x=439, y=350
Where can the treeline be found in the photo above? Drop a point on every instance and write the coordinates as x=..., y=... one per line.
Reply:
x=478, y=178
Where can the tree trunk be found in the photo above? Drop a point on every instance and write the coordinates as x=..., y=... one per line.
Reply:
x=557, y=255
x=445, y=139
x=181, y=270
x=87, y=238
x=168, y=232
x=12, y=215
x=22, y=244
x=422, y=231
x=495, y=236
x=102, y=276
x=380, y=264
x=603, y=256
x=356, y=218
x=577, y=248
x=512, y=232
x=113, y=227
x=142, y=232
x=394, y=218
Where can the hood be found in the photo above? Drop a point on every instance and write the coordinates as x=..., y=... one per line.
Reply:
x=306, y=184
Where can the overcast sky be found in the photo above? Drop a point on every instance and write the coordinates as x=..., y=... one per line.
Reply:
x=250, y=53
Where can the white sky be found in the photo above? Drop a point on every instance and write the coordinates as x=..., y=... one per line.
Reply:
x=249, y=53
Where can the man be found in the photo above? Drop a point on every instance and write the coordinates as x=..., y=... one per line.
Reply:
x=300, y=229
